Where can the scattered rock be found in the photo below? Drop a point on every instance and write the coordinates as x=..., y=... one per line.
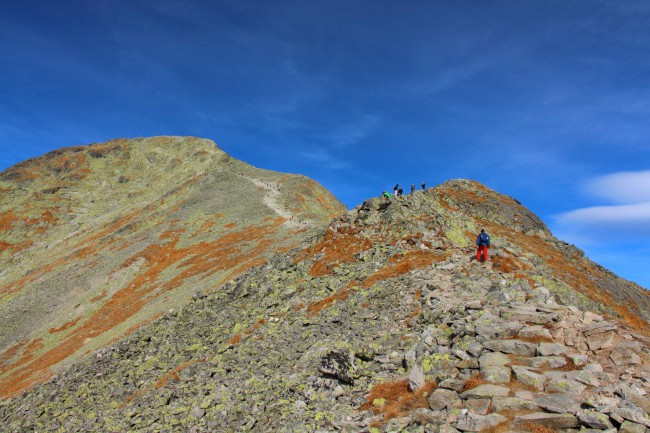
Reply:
x=474, y=423
x=558, y=403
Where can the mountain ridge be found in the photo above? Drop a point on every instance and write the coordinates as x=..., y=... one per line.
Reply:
x=380, y=321
x=98, y=239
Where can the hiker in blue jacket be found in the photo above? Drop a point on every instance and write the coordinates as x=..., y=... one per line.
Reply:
x=483, y=243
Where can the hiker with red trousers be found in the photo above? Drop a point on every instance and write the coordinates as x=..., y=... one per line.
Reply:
x=483, y=243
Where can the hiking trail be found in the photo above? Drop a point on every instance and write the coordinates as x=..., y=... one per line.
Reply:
x=270, y=199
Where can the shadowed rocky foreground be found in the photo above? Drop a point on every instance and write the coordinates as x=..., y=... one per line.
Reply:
x=382, y=321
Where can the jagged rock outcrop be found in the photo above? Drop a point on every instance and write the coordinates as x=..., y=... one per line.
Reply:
x=99, y=239
x=383, y=323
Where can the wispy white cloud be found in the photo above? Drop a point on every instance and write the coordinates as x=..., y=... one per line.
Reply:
x=628, y=187
x=627, y=219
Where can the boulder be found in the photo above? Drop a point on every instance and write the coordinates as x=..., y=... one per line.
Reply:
x=565, y=385
x=547, y=361
x=495, y=374
x=601, y=341
x=513, y=403
x=416, y=378
x=512, y=346
x=624, y=356
x=529, y=378
x=552, y=420
x=558, y=403
x=535, y=331
x=631, y=427
x=548, y=349
x=474, y=423
x=478, y=405
x=632, y=412
x=491, y=359
x=487, y=390
x=593, y=419
x=442, y=398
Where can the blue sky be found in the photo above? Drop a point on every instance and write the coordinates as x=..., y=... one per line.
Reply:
x=547, y=101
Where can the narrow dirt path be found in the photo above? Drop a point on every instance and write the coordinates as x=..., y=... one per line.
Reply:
x=270, y=199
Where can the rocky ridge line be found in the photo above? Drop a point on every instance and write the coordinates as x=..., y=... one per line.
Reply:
x=384, y=323
x=97, y=240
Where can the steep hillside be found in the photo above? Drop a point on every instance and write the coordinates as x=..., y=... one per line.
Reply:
x=383, y=323
x=97, y=240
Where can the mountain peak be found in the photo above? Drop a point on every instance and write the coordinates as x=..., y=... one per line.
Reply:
x=382, y=320
x=99, y=239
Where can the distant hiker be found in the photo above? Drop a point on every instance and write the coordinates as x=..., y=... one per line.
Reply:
x=422, y=185
x=385, y=195
x=400, y=191
x=483, y=243
x=396, y=188
x=412, y=188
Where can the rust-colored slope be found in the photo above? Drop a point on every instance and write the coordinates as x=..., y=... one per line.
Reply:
x=100, y=239
x=510, y=224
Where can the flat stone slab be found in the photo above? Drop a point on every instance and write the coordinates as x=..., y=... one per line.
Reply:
x=599, y=328
x=528, y=316
x=491, y=359
x=601, y=341
x=583, y=376
x=529, y=378
x=558, y=403
x=631, y=427
x=535, y=331
x=594, y=419
x=552, y=420
x=478, y=405
x=442, y=398
x=486, y=390
x=512, y=346
x=632, y=412
x=624, y=356
x=547, y=361
x=548, y=349
x=475, y=423
x=565, y=385
x=496, y=374
x=513, y=403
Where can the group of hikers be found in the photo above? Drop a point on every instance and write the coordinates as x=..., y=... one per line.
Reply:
x=398, y=190
x=482, y=240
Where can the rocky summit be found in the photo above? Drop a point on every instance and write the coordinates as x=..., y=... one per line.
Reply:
x=97, y=240
x=381, y=321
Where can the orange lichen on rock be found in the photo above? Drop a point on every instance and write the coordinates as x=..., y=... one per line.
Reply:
x=15, y=247
x=508, y=264
x=581, y=275
x=84, y=248
x=318, y=306
x=7, y=219
x=338, y=247
x=65, y=326
x=173, y=374
x=237, y=337
x=24, y=350
x=395, y=399
x=238, y=250
x=47, y=217
x=401, y=264
x=474, y=381
x=207, y=225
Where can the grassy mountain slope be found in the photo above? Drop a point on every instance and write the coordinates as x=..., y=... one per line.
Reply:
x=97, y=240
x=383, y=323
